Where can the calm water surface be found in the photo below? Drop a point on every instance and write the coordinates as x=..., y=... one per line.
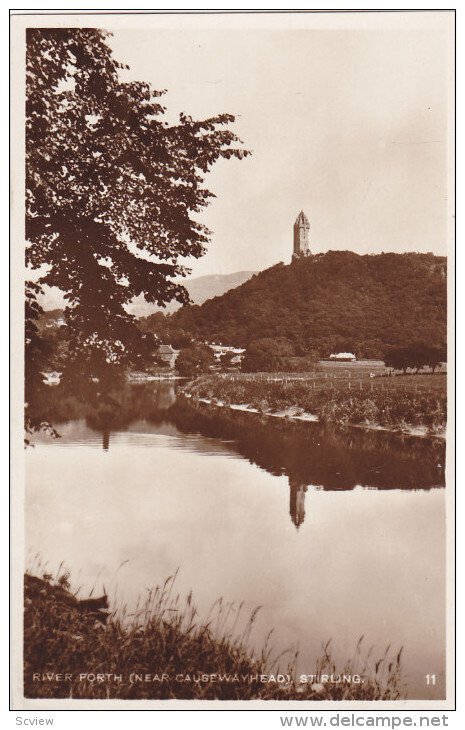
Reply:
x=335, y=535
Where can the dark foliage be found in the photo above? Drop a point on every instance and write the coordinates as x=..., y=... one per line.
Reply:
x=415, y=356
x=194, y=360
x=166, y=330
x=111, y=190
x=267, y=354
x=338, y=301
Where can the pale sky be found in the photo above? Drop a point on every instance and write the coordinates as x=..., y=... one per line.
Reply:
x=350, y=125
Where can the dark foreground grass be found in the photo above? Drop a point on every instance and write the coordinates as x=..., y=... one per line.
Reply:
x=163, y=651
x=383, y=402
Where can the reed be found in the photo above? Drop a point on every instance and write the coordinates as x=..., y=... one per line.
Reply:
x=163, y=650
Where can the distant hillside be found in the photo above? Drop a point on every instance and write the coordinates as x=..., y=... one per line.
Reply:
x=207, y=287
x=200, y=289
x=338, y=301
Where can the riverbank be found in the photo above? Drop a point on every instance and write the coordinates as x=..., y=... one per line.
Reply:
x=163, y=651
x=390, y=407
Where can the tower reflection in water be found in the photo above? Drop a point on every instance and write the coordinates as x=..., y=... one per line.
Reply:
x=297, y=502
x=308, y=454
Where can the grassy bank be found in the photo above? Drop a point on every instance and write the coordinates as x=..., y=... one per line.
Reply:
x=163, y=651
x=402, y=403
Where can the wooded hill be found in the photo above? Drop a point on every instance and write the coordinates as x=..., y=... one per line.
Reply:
x=338, y=301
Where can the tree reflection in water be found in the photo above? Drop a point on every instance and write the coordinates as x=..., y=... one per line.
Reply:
x=307, y=453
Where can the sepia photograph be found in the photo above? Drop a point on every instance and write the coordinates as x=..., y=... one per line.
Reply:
x=232, y=291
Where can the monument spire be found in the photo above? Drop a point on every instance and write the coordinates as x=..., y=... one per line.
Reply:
x=301, y=236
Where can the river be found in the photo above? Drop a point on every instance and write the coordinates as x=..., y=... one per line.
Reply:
x=334, y=534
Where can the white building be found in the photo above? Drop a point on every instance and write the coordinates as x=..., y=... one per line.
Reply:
x=343, y=356
x=220, y=350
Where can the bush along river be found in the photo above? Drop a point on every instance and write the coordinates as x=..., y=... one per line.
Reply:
x=335, y=534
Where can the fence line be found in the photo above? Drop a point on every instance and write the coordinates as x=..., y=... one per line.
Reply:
x=339, y=384
x=384, y=378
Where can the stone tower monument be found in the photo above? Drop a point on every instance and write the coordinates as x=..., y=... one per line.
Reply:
x=301, y=235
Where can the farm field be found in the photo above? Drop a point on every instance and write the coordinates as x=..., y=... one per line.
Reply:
x=360, y=378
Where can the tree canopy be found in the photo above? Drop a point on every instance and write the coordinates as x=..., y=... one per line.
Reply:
x=267, y=354
x=194, y=360
x=333, y=302
x=112, y=191
x=415, y=356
